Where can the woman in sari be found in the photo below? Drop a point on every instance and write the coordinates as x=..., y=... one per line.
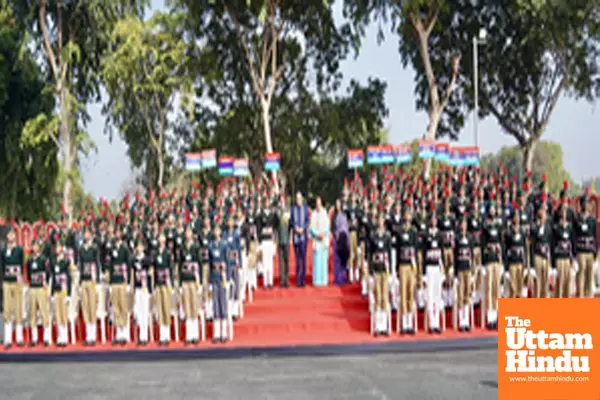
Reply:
x=319, y=232
x=341, y=249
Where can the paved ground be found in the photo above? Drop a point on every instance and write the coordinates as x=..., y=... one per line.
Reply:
x=460, y=375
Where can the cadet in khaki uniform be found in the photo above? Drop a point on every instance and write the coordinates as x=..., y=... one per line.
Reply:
x=562, y=252
x=11, y=264
x=586, y=248
x=89, y=269
x=141, y=271
x=191, y=280
x=492, y=247
x=463, y=257
x=406, y=258
x=540, y=250
x=119, y=287
x=39, y=280
x=380, y=270
x=61, y=293
x=163, y=281
x=516, y=255
x=204, y=239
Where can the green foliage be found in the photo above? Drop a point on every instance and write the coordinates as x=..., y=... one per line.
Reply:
x=29, y=173
x=143, y=74
x=548, y=160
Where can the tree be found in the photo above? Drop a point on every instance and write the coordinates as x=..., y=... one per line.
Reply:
x=73, y=36
x=29, y=174
x=548, y=160
x=535, y=53
x=144, y=74
x=268, y=37
x=416, y=22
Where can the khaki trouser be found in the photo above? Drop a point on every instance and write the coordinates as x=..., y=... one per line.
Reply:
x=190, y=299
x=206, y=294
x=12, y=297
x=252, y=255
x=120, y=304
x=364, y=268
x=163, y=303
x=448, y=254
x=38, y=301
x=516, y=280
x=464, y=288
x=585, y=275
x=542, y=270
x=562, y=288
x=60, y=308
x=492, y=284
x=419, y=269
x=477, y=262
x=353, y=249
x=89, y=301
x=381, y=291
x=406, y=274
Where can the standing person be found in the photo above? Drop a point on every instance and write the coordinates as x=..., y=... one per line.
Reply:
x=319, y=230
x=341, y=247
x=492, y=245
x=515, y=257
x=142, y=280
x=191, y=281
x=380, y=269
x=353, y=224
x=283, y=241
x=299, y=225
x=38, y=277
x=562, y=253
x=234, y=257
x=266, y=224
x=540, y=251
x=61, y=292
x=12, y=289
x=163, y=281
x=119, y=287
x=433, y=264
x=463, y=257
x=218, y=281
x=406, y=258
x=89, y=268
x=586, y=248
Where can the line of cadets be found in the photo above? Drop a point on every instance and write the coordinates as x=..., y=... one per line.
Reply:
x=453, y=240
x=198, y=250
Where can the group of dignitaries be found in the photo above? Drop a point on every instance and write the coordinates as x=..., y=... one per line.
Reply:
x=464, y=238
x=163, y=257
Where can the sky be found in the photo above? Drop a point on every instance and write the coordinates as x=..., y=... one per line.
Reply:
x=574, y=124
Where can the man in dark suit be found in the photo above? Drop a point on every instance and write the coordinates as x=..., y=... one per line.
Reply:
x=299, y=225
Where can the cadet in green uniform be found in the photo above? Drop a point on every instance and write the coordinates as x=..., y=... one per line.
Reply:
x=163, y=281
x=119, y=287
x=406, y=253
x=463, y=257
x=11, y=263
x=39, y=282
x=563, y=244
x=364, y=231
x=191, y=281
x=516, y=255
x=492, y=258
x=586, y=248
x=353, y=225
x=61, y=292
x=380, y=270
x=89, y=268
x=540, y=249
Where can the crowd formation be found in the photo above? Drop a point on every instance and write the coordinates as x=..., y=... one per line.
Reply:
x=465, y=237
x=410, y=242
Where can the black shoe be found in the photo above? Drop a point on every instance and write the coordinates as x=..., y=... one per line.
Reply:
x=223, y=340
x=209, y=320
x=377, y=334
x=7, y=346
x=123, y=342
x=31, y=344
x=195, y=341
x=235, y=318
x=216, y=340
x=138, y=343
x=439, y=331
x=468, y=329
x=411, y=332
x=115, y=342
x=364, y=296
x=403, y=332
x=386, y=333
x=20, y=344
x=394, y=311
x=46, y=344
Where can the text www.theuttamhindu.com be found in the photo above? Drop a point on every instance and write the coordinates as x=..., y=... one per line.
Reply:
x=533, y=379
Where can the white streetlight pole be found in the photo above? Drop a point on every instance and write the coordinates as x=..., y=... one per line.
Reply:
x=477, y=40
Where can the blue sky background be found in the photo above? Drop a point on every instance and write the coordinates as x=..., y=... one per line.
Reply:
x=575, y=125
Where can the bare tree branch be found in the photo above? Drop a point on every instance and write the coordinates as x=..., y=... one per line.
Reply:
x=450, y=88
x=49, y=52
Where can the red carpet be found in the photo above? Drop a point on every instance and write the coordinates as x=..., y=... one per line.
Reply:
x=294, y=317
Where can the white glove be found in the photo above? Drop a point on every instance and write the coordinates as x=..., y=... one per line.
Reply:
x=128, y=289
x=424, y=280
x=553, y=273
x=482, y=270
x=199, y=289
x=575, y=266
x=596, y=266
x=507, y=275
x=532, y=272
x=68, y=300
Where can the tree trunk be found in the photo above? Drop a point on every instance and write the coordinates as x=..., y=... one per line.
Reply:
x=434, y=121
x=161, y=168
x=67, y=150
x=528, y=153
x=268, y=140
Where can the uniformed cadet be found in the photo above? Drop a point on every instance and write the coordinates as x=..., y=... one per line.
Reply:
x=191, y=285
x=447, y=227
x=204, y=239
x=12, y=262
x=492, y=258
x=61, y=292
x=218, y=279
x=380, y=270
x=89, y=268
x=475, y=234
x=364, y=232
x=515, y=257
x=433, y=265
x=540, y=249
x=266, y=224
x=252, y=228
x=163, y=281
x=353, y=226
x=406, y=250
x=234, y=254
x=38, y=275
x=142, y=277
x=463, y=257
x=563, y=245
x=586, y=248
x=119, y=287
x=394, y=222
